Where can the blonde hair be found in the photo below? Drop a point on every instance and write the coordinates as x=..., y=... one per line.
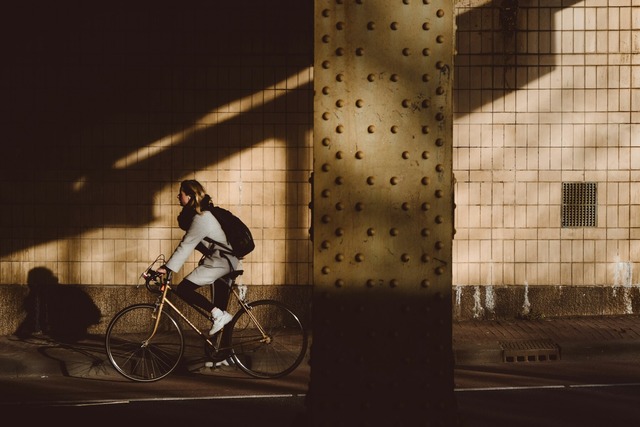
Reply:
x=195, y=191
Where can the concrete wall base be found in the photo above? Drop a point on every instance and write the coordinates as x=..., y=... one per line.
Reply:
x=535, y=302
x=69, y=312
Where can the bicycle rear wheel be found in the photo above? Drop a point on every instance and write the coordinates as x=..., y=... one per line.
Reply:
x=136, y=356
x=276, y=353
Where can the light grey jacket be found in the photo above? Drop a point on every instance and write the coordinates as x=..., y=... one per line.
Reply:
x=211, y=267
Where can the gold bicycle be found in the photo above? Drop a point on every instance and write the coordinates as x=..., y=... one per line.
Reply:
x=145, y=342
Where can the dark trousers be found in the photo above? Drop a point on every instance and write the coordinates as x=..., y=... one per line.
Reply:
x=188, y=291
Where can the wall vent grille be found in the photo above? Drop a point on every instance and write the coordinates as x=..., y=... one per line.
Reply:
x=579, y=204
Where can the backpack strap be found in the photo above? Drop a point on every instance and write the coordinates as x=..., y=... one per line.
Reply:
x=224, y=249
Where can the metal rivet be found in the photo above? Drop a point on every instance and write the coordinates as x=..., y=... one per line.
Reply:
x=326, y=193
x=339, y=180
x=425, y=180
x=340, y=103
x=405, y=155
x=359, y=154
x=340, y=129
x=440, y=270
x=326, y=142
x=339, y=283
x=393, y=283
x=406, y=103
x=440, y=90
x=439, y=194
x=439, y=142
x=439, y=168
x=326, y=167
x=340, y=25
x=425, y=155
x=440, y=39
x=359, y=206
x=370, y=180
x=359, y=257
x=371, y=26
x=394, y=78
x=439, y=65
x=426, y=77
x=406, y=51
x=394, y=129
x=339, y=257
x=394, y=26
x=359, y=103
x=339, y=232
x=440, y=117
x=439, y=245
x=371, y=77
x=393, y=232
x=326, y=38
x=425, y=206
x=426, y=103
x=440, y=13
x=325, y=13
x=439, y=219
x=360, y=51
x=394, y=180
x=405, y=257
x=325, y=244
x=371, y=129
x=426, y=51
x=325, y=90
x=339, y=206
x=425, y=232
x=326, y=219
x=406, y=206
x=425, y=129
x=425, y=283
x=370, y=283
x=339, y=154
x=371, y=232
x=340, y=51
x=425, y=258
x=326, y=65
x=326, y=270
x=425, y=26
x=340, y=77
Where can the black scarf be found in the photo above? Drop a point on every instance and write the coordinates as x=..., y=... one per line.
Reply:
x=186, y=217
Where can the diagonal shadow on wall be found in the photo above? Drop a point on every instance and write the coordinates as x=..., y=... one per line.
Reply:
x=84, y=87
x=498, y=41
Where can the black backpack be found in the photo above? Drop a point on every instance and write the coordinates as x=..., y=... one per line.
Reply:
x=237, y=232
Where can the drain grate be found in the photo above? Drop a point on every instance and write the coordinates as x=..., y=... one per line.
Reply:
x=541, y=350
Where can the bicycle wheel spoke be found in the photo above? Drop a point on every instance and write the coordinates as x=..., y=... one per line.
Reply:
x=130, y=349
x=274, y=354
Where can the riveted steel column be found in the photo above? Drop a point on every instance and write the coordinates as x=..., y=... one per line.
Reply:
x=383, y=213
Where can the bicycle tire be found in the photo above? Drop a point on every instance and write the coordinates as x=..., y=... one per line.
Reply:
x=286, y=345
x=131, y=355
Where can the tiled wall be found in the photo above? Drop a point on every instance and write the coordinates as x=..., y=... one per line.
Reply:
x=105, y=113
x=547, y=91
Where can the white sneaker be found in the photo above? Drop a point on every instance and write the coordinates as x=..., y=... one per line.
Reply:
x=219, y=322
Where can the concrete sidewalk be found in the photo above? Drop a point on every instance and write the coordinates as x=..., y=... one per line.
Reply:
x=572, y=339
x=475, y=342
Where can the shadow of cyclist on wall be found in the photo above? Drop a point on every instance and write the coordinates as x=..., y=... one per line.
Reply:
x=62, y=312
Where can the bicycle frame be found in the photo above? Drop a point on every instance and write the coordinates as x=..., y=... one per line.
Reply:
x=164, y=300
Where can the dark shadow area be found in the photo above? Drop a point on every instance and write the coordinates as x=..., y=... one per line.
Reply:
x=62, y=312
x=495, y=43
x=84, y=86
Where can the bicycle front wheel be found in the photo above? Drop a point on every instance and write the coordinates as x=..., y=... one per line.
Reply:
x=135, y=351
x=267, y=340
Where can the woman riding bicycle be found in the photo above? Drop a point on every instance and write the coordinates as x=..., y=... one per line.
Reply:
x=201, y=226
